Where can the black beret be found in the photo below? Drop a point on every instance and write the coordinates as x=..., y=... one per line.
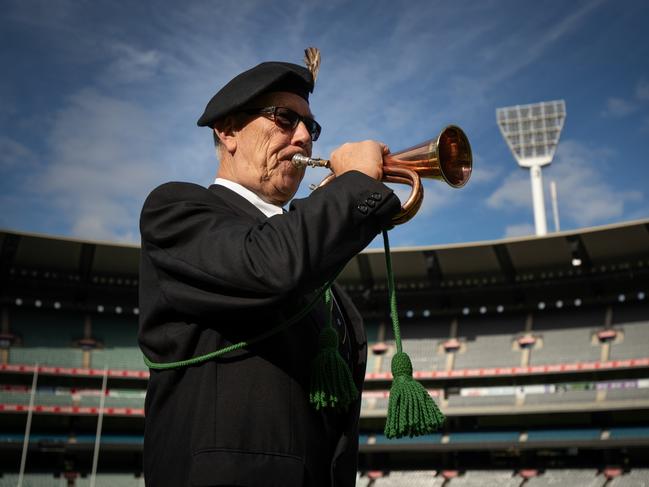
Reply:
x=263, y=78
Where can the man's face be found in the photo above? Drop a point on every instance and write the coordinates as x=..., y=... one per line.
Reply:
x=262, y=160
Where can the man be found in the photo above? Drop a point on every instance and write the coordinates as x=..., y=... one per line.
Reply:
x=224, y=265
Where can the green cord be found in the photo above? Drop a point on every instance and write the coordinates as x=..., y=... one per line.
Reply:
x=396, y=329
x=243, y=344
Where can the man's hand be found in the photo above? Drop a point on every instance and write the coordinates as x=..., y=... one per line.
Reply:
x=366, y=157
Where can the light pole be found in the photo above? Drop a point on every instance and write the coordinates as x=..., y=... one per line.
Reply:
x=532, y=134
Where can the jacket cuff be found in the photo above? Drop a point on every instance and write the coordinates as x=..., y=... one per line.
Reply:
x=372, y=198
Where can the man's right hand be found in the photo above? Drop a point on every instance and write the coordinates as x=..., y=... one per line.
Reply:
x=366, y=157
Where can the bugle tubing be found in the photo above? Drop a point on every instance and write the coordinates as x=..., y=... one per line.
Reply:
x=446, y=158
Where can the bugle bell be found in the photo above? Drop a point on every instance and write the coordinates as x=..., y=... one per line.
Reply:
x=446, y=158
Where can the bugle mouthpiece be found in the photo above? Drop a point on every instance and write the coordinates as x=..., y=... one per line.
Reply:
x=300, y=160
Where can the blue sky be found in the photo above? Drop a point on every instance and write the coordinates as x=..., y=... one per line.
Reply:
x=99, y=102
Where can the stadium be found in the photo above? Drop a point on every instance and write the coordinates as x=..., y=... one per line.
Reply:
x=535, y=348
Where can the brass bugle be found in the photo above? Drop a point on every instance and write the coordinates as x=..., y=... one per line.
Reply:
x=446, y=158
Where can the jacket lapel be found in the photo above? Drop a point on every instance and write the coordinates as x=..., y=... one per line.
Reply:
x=237, y=202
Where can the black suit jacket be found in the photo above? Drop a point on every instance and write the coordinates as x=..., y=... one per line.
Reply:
x=216, y=271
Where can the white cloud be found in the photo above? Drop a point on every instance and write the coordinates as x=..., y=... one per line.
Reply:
x=131, y=64
x=105, y=156
x=585, y=196
x=642, y=90
x=618, y=107
x=483, y=172
x=513, y=193
x=437, y=195
x=519, y=230
x=537, y=38
x=14, y=154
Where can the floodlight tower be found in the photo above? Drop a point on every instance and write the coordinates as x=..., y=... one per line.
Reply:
x=532, y=134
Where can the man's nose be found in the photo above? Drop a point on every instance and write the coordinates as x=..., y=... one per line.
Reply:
x=301, y=135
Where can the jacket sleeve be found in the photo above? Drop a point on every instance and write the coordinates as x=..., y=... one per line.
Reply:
x=207, y=255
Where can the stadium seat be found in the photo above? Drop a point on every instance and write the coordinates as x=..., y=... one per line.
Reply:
x=43, y=328
x=414, y=478
x=33, y=480
x=112, y=480
x=567, y=336
x=571, y=477
x=627, y=394
x=121, y=358
x=632, y=320
x=488, y=341
x=61, y=357
x=457, y=401
x=11, y=397
x=635, y=478
x=486, y=478
x=124, y=402
x=562, y=397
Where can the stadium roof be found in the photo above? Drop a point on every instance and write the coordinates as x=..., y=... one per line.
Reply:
x=504, y=259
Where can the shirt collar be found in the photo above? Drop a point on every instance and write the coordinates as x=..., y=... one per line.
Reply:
x=263, y=206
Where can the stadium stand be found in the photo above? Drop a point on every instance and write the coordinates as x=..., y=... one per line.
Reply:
x=129, y=358
x=632, y=320
x=457, y=401
x=489, y=341
x=478, y=478
x=112, y=480
x=411, y=478
x=562, y=397
x=566, y=335
x=500, y=333
x=33, y=480
x=585, y=478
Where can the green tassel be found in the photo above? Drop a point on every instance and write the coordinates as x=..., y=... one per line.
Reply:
x=332, y=384
x=411, y=410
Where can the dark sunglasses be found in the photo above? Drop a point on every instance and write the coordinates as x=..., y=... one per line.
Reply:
x=287, y=119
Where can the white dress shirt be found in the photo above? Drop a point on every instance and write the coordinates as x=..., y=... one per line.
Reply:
x=263, y=206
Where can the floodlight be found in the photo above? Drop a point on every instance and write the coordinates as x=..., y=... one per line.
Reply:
x=532, y=134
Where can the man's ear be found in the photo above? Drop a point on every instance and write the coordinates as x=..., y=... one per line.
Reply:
x=226, y=130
